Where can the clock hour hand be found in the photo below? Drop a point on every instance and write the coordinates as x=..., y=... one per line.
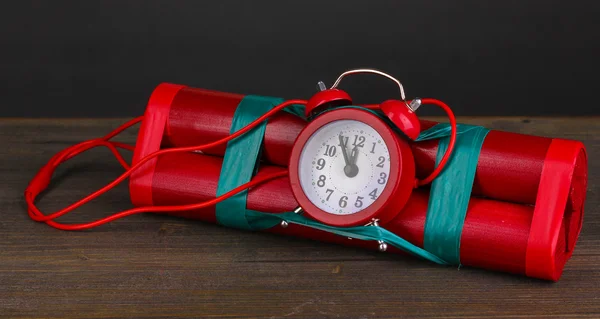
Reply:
x=354, y=155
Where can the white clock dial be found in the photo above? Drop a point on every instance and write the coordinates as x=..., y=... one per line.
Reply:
x=339, y=183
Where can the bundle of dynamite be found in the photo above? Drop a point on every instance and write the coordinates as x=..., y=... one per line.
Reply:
x=524, y=215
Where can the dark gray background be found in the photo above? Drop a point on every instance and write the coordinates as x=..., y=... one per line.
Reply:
x=103, y=58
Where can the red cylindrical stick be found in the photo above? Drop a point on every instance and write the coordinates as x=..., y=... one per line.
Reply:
x=199, y=116
x=509, y=167
x=495, y=235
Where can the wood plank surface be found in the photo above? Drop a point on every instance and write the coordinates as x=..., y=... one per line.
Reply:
x=151, y=266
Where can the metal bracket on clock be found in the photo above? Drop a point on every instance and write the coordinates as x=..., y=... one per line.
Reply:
x=411, y=106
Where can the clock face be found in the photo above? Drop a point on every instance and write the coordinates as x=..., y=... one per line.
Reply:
x=344, y=167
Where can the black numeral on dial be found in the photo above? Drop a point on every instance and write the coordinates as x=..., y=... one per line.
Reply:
x=373, y=194
x=359, y=141
x=345, y=138
x=330, y=150
x=381, y=161
x=343, y=201
x=382, y=178
x=330, y=192
x=320, y=163
x=321, y=181
x=359, y=202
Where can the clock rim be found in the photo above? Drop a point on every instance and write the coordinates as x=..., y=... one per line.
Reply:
x=390, y=201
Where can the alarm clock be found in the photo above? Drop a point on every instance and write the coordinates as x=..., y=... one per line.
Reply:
x=350, y=166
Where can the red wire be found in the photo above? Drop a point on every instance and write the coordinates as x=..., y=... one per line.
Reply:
x=157, y=209
x=42, y=178
x=450, y=148
x=448, y=153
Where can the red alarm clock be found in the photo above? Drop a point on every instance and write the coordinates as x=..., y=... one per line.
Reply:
x=349, y=166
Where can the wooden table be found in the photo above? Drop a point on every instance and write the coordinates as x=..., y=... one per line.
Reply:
x=163, y=267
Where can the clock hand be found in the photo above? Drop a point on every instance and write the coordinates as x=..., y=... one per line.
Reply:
x=354, y=155
x=344, y=152
x=351, y=170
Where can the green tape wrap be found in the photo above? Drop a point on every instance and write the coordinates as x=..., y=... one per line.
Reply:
x=451, y=190
x=296, y=109
x=241, y=158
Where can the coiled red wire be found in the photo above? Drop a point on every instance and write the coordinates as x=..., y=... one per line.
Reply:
x=42, y=179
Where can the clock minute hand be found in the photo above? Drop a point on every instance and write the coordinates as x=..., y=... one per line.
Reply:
x=344, y=151
x=349, y=169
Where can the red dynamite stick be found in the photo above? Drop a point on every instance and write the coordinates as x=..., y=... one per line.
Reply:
x=495, y=235
x=199, y=116
x=509, y=168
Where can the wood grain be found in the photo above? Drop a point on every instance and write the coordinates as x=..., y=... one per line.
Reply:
x=152, y=266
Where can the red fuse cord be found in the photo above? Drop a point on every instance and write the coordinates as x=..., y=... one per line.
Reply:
x=42, y=179
x=450, y=149
x=451, y=142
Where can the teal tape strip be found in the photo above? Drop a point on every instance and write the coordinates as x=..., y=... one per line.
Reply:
x=370, y=233
x=296, y=109
x=442, y=130
x=451, y=190
x=240, y=160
